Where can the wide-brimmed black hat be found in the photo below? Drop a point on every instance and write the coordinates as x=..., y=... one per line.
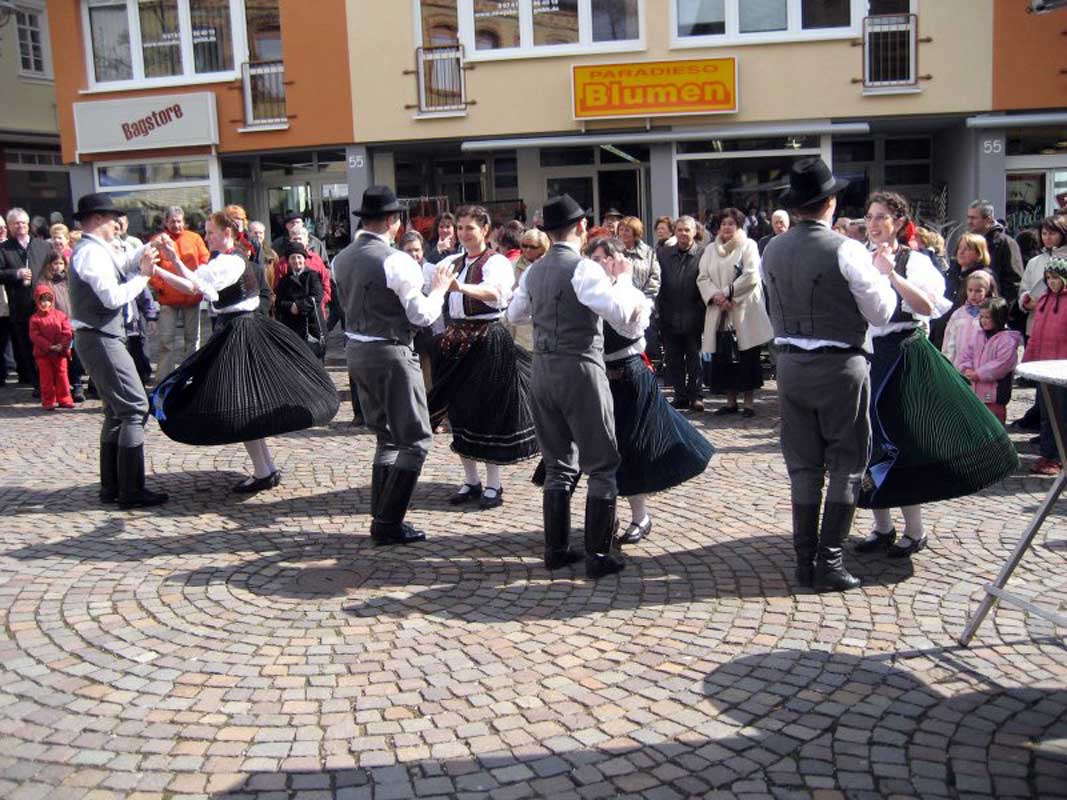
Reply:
x=613, y=212
x=378, y=200
x=810, y=182
x=559, y=212
x=98, y=203
x=295, y=248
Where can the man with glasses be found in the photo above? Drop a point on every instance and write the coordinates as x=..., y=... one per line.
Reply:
x=103, y=282
x=175, y=305
x=22, y=256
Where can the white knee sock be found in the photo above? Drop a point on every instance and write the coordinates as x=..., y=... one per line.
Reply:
x=492, y=476
x=262, y=465
x=638, y=508
x=913, y=522
x=883, y=520
x=470, y=471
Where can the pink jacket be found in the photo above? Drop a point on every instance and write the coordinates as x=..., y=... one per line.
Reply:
x=993, y=358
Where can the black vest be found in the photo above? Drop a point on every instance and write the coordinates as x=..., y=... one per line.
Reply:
x=242, y=289
x=371, y=307
x=561, y=324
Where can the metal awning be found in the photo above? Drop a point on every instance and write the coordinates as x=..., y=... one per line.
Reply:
x=1051, y=118
x=685, y=134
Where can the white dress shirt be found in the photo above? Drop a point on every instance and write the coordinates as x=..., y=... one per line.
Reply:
x=874, y=294
x=404, y=277
x=214, y=276
x=921, y=273
x=497, y=275
x=113, y=278
x=620, y=304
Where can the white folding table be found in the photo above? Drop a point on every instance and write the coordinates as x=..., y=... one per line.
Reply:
x=1045, y=373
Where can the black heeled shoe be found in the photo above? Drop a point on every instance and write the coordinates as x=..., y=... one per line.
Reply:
x=883, y=541
x=635, y=532
x=907, y=550
x=253, y=484
x=724, y=410
x=495, y=501
x=473, y=492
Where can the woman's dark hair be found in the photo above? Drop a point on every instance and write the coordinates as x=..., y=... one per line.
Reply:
x=411, y=236
x=998, y=309
x=611, y=247
x=510, y=236
x=47, y=273
x=444, y=216
x=477, y=213
x=732, y=213
x=896, y=203
x=664, y=221
x=1056, y=224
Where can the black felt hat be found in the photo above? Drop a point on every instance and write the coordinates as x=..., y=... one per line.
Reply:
x=559, y=212
x=377, y=201
x=295, y=248
x=98, y=203
x=810, y=182
x=292, y=216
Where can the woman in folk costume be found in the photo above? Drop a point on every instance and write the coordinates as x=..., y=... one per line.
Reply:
x=658, y=447
x=253, y=379
x=482, y=382
x=932, y=439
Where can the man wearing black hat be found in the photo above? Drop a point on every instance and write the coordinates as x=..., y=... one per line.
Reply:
x=566, y=296
x=102, y=284
x=381, y=291
x=824, y=292
x=294, y=220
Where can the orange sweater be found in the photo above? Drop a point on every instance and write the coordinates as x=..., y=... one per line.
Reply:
x=193, y=252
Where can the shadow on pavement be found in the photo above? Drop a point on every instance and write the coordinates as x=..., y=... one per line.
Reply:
x=784, y=723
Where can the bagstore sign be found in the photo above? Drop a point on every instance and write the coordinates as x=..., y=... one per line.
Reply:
x=146, y=123
x=655, y=88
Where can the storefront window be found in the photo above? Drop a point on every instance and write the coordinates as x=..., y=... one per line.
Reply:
x=566, y=156
x=748, y=145
x=706, y=186
x=532, y=27
x=1037, y=142
x=1059, y=189
x=754, y=17
x=145, y=207
x=155, y=172
x=161, y=45
x=1025, y=200
x=145, y=190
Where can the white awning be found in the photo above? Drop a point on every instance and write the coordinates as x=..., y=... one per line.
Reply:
x=686, y=134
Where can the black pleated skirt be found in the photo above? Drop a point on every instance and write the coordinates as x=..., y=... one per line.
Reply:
x=252, y=379
x=932, y=438
x=483, y=388
x=720, y=375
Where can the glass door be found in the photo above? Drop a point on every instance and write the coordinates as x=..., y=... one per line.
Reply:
x=283, y=199
x=1058, y=190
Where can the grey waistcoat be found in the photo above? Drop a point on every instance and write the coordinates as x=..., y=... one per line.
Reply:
x=371, y=307
x=86, y=307
x=808, y=296
x=561, y=324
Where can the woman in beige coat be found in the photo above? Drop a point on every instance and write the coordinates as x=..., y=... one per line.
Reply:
x=730, y=283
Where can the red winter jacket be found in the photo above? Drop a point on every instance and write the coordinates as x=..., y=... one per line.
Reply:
x=1048, y=336
x=49, y=328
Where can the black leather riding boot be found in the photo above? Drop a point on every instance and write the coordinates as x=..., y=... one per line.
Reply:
x=109, y=472
x=379, y=474
x=132, y=491
x=830, y=572
x=805, y=541
x=600, y=527
x=556, y=508
x=388, y=526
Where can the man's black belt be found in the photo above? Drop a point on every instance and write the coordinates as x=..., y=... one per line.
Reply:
x=792, y=348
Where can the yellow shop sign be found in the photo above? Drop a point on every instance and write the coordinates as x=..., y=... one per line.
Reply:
x=655, y=88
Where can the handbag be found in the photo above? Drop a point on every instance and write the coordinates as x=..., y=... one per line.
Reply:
x=726, y=342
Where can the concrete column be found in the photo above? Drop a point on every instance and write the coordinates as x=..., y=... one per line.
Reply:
x=662, y=180
x=991, y=162
x=531, y=181
x=81, y=181
x=358, y=173
x=384, y=169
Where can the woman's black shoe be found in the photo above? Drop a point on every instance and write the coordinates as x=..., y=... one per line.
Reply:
x=906, y=550
x=473, y=492
x=883, y=542
x=635, y=532
x=748, y=413
x=495, y=501
x=253, y=484
x=718, y=412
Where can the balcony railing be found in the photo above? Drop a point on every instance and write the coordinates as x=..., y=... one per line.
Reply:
x=264, y=90
x=890, y=51
x=439, y=72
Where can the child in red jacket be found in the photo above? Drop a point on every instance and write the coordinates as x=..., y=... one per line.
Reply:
x=51, y=335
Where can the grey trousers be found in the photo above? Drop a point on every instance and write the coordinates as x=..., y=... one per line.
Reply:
x=825, y=426
x=388, y=379
x=574, y=418
x=111, y=368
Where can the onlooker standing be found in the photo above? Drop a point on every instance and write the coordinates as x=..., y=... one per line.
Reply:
x=22, y=257
x=175, y=305
x=293, y=222
x=1053, y=244
x=664, y=228
x=54, y=276
x=445, y=244
x=51, y=335
x=257, y=235
x=646, y=276
x=1048, y=342
x=681, y=313
x=1005, y=259
x=611, y=219
x=779, y=224
x=61, y=240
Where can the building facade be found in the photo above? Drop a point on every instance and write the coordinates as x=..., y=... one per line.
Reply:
x=687, y=106
x=201, y=103
x=32, y=172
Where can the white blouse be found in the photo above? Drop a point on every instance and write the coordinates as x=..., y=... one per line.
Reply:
x=924, y=276
x=220, y=272
x=497, y=274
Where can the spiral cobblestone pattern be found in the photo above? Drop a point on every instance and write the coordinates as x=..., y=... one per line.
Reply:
x=227, y=648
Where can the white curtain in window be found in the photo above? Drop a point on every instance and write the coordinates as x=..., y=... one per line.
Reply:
x=109, y=29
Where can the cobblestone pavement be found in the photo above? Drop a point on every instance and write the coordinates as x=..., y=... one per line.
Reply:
x=232, y=648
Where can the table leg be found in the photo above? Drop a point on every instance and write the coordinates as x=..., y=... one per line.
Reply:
x=1031, y=530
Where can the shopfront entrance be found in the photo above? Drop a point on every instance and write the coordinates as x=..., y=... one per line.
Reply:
x=599, y=179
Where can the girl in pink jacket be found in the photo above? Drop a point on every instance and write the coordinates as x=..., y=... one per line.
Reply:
x=989, y=355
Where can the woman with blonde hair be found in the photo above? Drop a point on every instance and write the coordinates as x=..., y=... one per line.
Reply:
x=534, y=244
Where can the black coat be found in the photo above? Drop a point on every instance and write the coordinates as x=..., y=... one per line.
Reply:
x=679, y=304
x=305, y=290
x=1000, y=261
x=12, y=259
